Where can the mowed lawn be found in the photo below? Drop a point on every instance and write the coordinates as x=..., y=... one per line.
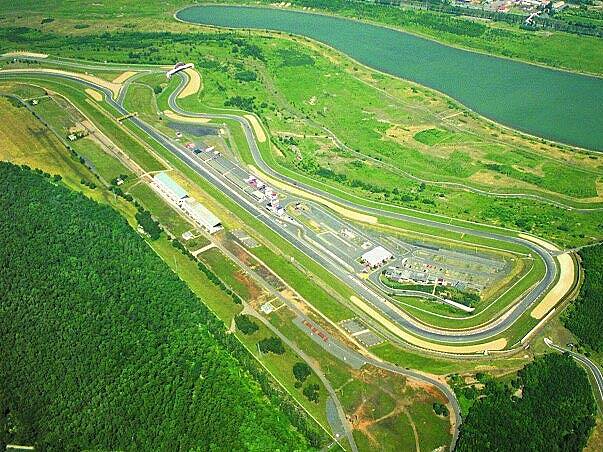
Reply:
x=141, y=99
x=107, y=165
x=166, y=215
x=26, y=141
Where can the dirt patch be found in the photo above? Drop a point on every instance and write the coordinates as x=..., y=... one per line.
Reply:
x=257, y=128
x=194, y=84
x=543, y=243
x=560, y=289
x=114, y=87
x=94, y=94
x=254, y=291
x=175, y=117
x=495, y=179
x=123, y=77
x=360, y=421
x=383, y=387
x=289, y=295
x=400, y=134
x=25, y=54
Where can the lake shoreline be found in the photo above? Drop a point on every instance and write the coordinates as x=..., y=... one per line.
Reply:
x=574, y=135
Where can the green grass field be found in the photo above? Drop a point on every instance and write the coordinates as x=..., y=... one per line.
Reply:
x=141, y=99
x=153, y=202
x=110, y=167
x=226, y=270
x=379, y=122
x=326, y=303
x=438, y=365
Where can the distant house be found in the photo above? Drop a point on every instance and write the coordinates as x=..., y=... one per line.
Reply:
x=559, y=6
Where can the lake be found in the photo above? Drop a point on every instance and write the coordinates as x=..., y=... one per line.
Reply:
x=557, y=105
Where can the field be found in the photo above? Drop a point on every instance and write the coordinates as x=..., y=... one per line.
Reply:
x=329, y=302
x=343, y=128
x=25, y=141
x=378, y=124
x=330, y=306
x=384, y=433
x=557, y=49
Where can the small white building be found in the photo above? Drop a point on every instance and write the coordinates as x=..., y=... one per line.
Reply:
x=201, y=215
x=559, y=6
x=169, y=188
x=376, y=257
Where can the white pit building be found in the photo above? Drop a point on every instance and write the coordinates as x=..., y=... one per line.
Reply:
x=201, y=215
x=173, y=192
x=376, y=257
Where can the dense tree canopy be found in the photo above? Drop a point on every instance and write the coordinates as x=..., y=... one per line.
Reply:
x=549, y=408
x=103, y=347
x=585, y=318
x=272, y=345
x=301, y=371
x=245, y=324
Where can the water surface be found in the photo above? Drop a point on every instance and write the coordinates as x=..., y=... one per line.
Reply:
x=557, y=105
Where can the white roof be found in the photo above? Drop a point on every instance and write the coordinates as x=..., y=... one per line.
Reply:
x=202, y=213
x=171, y=185
x=376, y=256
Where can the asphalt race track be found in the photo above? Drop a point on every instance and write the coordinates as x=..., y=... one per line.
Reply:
x=377, y=301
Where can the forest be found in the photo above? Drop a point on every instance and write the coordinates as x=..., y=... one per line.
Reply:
x=585, y=316
x=548, y=407
x=103, y=347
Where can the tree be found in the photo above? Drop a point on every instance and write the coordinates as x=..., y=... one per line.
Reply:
x=555, y=411
x=92, y=317
x=272, y=345
x=585, y=316
x=149, y=225
x=312, y=392
x=301, y=371
x=245, y=324
x=440, y=409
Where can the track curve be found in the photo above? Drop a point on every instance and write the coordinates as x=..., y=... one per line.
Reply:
x=404, y=321
x=519, y=309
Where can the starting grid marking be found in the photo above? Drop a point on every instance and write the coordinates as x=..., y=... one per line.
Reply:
x=359, y=331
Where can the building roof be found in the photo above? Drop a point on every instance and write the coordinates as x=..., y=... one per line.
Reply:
x=376, y=256
x=201, y=212
x=171, y=184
